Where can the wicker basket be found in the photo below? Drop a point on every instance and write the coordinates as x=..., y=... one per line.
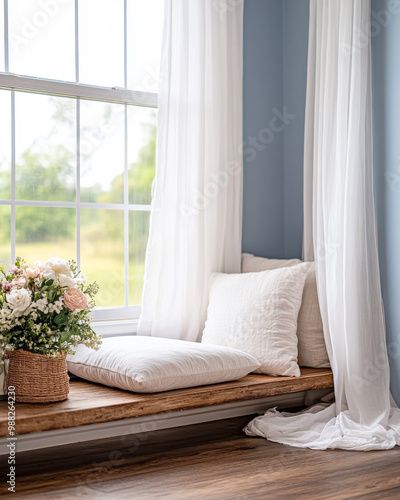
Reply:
x=37, y=378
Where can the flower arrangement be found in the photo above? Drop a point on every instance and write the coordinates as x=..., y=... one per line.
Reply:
x=45, y=309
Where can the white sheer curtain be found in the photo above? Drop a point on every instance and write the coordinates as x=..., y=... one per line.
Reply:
x=340, y=233
x=195, y=225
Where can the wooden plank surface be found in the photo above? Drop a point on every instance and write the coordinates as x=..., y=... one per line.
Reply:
x=212, y=461
x=90, y=403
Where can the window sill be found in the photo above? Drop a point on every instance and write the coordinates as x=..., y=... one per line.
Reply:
x=115, y=328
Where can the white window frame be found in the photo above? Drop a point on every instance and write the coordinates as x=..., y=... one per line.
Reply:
x=112, y=320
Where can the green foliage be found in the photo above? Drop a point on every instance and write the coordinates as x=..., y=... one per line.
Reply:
x=140, y=175
x=46, y=176
x=140, y=179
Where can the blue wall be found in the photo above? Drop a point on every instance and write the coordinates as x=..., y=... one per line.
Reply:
x=386, y=100
x=263, y=215
x=295, y=45
x=275, y=74
x=275, y=63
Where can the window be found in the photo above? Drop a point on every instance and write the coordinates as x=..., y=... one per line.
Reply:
x=78, y=117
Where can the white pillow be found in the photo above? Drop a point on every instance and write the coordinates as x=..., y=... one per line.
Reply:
x=151, y=364
x=252, y=264
x=310, y=331
x=257, y=313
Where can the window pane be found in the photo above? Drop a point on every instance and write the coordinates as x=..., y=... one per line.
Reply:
x=142, y=129
x=5, y=144
x=5, y=242
x=101, y=42
x=41, y=233
x=102, y=254
x=102, y=152
x=138, y=235
x=2, y=68
x=45, y=147
x=42, y=38
x=144, y=33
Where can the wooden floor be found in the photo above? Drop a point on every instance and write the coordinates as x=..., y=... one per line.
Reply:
x=93, y=403
x=213, y=461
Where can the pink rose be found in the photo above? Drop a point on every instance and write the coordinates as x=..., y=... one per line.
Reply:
x=31, y=273
x=14, y=269
x=6, y=286
x=18, y=282
x=75, y=299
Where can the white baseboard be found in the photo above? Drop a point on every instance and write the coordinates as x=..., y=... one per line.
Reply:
x=59, y=437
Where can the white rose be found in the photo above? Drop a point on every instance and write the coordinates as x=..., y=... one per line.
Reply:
x=58, y=270
x=19, y=300
x=66, y=281
x=57, y=266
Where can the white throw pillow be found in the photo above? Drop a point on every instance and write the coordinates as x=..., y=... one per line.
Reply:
x=151, y=364
x=257, y=313
x=310, y=331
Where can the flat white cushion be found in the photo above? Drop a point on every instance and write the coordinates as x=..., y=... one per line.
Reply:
x=257, y=313
x=151, y=364
x=310, y=331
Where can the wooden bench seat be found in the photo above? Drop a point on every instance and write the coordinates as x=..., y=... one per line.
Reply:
x=90, y=403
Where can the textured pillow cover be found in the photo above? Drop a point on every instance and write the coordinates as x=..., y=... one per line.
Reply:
x=151, y=364
x=257, y=313
x=310, y=332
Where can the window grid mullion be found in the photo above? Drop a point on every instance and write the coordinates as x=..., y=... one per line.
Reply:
x=126, y=209
x=126, y=191
x=78, y=183
x=76, y=41
x=125, y=44
x=74, y=204
x=6, y=46
x=13, y=167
